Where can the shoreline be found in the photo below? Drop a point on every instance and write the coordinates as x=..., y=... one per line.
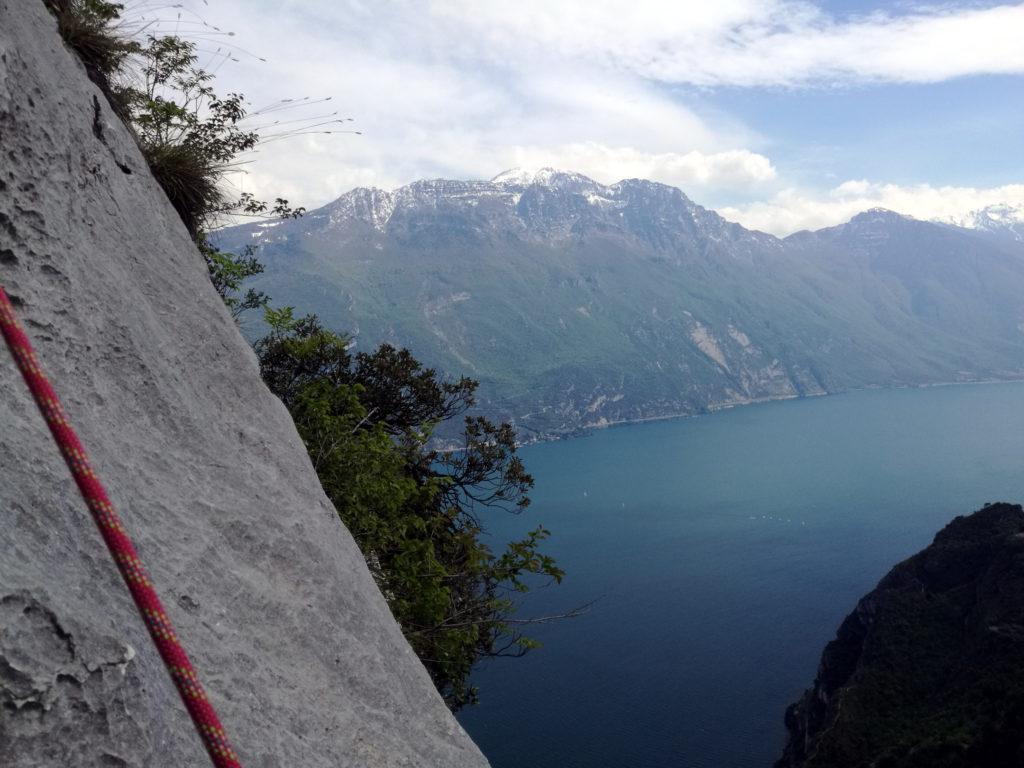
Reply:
x=584, y=431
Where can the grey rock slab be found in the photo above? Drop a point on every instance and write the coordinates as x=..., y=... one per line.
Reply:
x=270, y=595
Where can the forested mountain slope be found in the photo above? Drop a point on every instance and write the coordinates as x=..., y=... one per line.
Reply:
x=580, y=304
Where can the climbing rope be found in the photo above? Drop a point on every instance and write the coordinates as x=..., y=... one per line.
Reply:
x=120, y=546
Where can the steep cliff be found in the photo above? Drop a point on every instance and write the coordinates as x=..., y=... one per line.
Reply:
x=928, y=671
x=269, y=592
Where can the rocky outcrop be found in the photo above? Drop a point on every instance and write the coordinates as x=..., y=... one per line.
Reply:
x=270, y=594
x=928, y=671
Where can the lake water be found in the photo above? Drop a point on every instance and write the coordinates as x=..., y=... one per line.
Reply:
x=723, y=552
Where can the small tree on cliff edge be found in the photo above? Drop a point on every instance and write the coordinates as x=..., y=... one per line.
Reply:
x=414, y=511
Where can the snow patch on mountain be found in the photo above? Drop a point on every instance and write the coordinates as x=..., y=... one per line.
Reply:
x=369, y=204
x=999, y=215
x=545, y=177
x=1002, y=219
x=517, y=176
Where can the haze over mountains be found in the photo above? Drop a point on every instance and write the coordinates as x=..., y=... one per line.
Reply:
x=578, y=304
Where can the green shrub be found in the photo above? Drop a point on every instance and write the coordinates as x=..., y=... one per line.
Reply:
x=190, y=180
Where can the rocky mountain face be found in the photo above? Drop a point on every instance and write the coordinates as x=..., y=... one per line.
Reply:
x=578, y=304
x=269, y=593
x=928, y=671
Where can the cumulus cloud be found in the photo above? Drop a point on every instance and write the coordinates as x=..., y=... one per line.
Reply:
x=792, y=210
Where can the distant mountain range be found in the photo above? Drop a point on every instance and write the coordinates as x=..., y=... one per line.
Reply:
x=578, y=304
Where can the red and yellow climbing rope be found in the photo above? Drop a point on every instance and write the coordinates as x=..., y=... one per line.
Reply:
x=120, y=546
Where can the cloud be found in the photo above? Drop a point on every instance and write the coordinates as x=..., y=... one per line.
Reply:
x=792, y=210
x=733, y=169
x=751, y=42
x=431, y=102
x=468, y=88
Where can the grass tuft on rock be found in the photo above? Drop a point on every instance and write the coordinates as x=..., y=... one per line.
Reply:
x=190, y=180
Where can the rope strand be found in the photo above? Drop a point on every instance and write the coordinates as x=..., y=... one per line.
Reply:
x=116, y=538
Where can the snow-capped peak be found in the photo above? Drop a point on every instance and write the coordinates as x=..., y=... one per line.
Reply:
x=991, y=217
x=515, y=176
x=547, y=177
x=878, y=215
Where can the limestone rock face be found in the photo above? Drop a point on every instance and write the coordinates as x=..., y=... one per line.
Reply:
x=271, y=597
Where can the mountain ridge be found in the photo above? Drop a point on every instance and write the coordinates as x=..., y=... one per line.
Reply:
x=990, y=218
x=579, y=304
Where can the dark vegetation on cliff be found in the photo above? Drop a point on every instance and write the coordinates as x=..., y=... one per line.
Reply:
x=928, y=671
x=366, y=419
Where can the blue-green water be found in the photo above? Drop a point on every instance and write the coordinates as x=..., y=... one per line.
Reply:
x=724, y=551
